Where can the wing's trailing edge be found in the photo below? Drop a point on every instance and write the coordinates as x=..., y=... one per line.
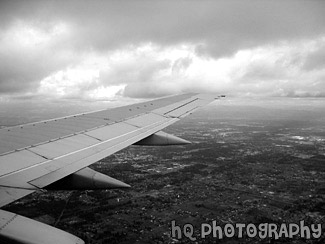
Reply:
x=37, y=155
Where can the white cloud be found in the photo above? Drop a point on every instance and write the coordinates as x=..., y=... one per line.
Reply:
x=150, y=70
x=78, y=49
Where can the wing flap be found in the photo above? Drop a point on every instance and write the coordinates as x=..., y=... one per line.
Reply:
x=64, y=146
x=111, y=131
x=15, y=161
x=145, y=120
x=10, y=194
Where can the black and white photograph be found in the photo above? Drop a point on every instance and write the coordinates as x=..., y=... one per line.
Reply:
x=162, y=121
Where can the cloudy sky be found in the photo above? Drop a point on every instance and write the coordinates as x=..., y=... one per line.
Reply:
x=102, y=50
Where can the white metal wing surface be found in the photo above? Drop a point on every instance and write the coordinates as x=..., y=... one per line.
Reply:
x=35, y=155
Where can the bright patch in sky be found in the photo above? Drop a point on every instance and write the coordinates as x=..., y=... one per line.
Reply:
x=29, y=35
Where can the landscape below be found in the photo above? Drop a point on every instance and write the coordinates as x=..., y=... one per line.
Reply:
x=247, y=164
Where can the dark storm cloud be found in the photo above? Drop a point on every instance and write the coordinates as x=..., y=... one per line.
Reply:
x=22, y=71
x=222, y=26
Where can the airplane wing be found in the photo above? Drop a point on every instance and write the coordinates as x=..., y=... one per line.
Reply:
x=54, y=154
